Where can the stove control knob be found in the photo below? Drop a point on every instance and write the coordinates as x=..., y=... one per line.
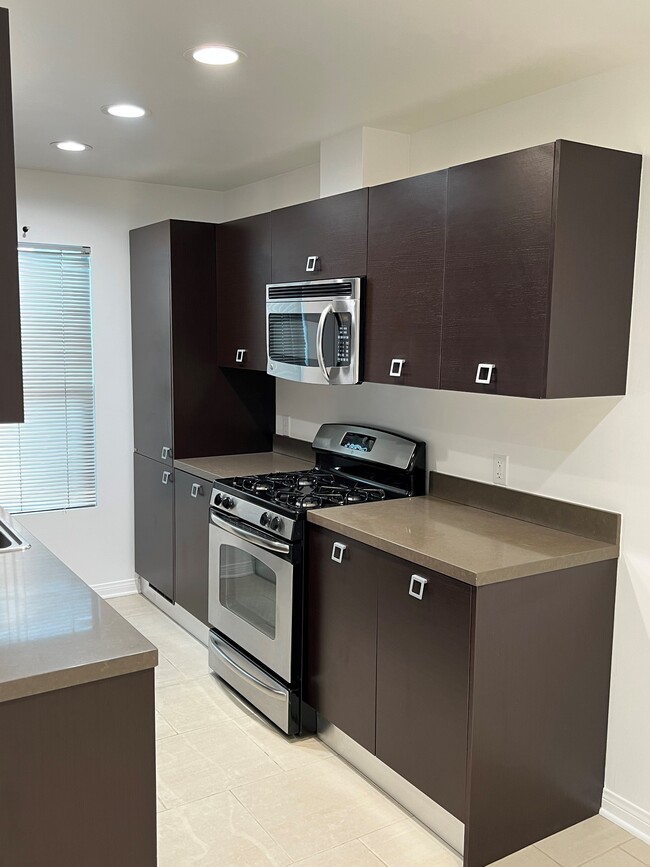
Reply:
x=265, y=519
x=275, y=523
x=227, y=502
x=217, y=499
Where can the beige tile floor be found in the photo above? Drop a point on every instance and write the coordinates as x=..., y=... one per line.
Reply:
x=234, y=792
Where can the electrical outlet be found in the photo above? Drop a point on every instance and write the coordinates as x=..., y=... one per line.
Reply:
x=500, y=470
x=285, y=425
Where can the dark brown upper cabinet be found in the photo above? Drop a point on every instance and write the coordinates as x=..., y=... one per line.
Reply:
x=406, y=252
x=11, y=393
x=243, y=270
x=184, y=404
x=321, y=240
x=538, y=272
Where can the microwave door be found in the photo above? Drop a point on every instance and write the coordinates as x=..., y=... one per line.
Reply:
x=313, y=341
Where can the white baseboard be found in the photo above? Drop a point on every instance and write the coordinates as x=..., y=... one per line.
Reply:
x=116, y=588
x=622, y=812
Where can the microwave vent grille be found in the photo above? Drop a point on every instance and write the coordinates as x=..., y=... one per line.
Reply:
x=287, y=293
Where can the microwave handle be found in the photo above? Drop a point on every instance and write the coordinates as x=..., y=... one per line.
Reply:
x=320, y=355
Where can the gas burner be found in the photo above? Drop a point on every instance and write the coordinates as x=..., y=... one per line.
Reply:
x=298, y=501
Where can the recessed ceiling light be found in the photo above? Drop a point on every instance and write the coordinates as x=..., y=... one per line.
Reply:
x=71, y=145
x=214, y=55
x=124, y=109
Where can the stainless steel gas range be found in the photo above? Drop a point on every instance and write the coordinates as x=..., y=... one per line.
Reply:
x=257, y=558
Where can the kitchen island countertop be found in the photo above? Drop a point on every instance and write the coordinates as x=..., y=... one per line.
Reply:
x=55, y=631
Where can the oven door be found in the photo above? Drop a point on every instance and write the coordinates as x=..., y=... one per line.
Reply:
x=251, y=592
x=314, y=341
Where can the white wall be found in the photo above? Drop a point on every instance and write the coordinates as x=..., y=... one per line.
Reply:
x=280, y=191
x=68, y=209
x=594, y=451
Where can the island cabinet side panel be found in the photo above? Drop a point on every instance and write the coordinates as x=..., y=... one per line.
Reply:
x=539, y=695
x=78, y=775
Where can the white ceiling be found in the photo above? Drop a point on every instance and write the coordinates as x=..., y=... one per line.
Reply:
x=314, y=68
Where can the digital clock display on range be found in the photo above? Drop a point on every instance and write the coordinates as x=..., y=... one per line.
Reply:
x=356, y=442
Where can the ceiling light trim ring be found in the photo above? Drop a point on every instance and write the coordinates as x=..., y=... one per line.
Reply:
x=230, y=54
x=136, y=111
x=71, y=146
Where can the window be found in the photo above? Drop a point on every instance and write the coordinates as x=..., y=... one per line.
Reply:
x=49, y=461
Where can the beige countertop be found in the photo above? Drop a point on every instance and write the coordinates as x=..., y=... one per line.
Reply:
x=55, y=631
x=226, y=466
x=467, y=543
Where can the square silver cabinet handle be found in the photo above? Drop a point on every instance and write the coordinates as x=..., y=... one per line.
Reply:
x=338, y=549
x=166, y=476
x=418, y=583
x=484, y=373
x=166, y=453
x=239, y=357
x=312, y=262
x=196, y=490
x=396, y=366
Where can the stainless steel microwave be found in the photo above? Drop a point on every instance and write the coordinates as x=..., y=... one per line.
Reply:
x=313, y=330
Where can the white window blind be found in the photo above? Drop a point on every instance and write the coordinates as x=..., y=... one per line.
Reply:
x=49, y=461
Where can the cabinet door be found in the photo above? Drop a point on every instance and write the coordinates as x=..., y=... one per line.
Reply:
x=406, y=250
x=243, y=270
x=191, y=508
x=151, y=339
x=154, y=524
x=342, y=634
x=11, y=392
x=423, y=653
x=497, y=263
x=333, y=230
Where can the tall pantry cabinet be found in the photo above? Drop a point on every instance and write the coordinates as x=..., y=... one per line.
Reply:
x=184, y=405
x=11, y=393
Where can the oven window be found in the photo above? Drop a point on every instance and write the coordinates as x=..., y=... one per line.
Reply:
x=247, y=587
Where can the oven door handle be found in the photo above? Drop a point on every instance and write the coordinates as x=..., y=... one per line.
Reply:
x=250, y=536
x=320, y=355
x=238, y=668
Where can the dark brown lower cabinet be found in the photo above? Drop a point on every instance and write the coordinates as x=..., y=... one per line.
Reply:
x=540, y=672
x=78, y=775
x=423, y=679
x=192, y=507
x=491, y=700
x=154, y=523
x=342, y=634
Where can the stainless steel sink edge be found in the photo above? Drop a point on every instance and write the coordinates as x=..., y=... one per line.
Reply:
x=11, y=540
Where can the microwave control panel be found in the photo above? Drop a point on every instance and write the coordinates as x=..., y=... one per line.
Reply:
x=343, y=352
